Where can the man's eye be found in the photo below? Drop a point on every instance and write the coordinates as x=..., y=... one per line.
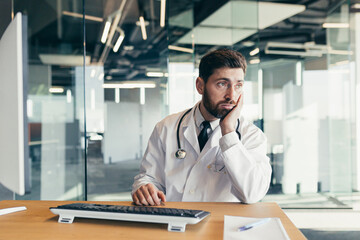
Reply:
x=239, y=86
x=221, y=84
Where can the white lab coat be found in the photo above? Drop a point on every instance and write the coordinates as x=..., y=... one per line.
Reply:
x=202, y=176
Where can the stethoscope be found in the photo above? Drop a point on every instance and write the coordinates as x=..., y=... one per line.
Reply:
x=181, y=153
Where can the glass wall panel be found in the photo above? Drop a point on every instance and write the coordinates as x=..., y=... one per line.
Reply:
x=182, y=35
x=355, y=97
x=244, y=26
x=126, y=91
x=340, y=135
x=308, y=116
x=55, y=99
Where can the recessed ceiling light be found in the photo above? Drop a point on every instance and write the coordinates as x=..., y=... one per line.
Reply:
x=248, y=43
x=335, y=25
x=162, y=13
x=181, y=49
x=254, y=52
x=143, y=27
x=254, y=61
x=128, y=48
x=56, y=90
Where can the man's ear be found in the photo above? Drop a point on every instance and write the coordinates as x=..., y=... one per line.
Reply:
x=200, y=85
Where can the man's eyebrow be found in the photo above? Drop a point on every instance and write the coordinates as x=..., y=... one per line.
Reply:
x=228, y=80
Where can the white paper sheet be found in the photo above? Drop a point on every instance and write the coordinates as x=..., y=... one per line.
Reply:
x=11, y=210
x=270, y=230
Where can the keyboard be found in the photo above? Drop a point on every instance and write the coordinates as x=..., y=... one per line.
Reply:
x=176, y=218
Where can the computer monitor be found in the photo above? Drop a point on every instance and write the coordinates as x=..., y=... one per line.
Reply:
x=14, y=148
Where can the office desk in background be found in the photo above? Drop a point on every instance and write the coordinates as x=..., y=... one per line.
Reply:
x=37, y=222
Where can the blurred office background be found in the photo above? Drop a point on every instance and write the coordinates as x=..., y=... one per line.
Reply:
x=102, y=73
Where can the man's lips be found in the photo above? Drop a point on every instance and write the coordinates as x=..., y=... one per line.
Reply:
x=227, y=106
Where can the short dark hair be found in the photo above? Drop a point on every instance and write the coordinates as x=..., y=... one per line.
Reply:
x=218, y=59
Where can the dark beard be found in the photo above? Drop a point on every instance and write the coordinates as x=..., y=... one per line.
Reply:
x=214, y=109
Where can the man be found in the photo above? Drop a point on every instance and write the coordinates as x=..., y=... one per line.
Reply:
x=222, y=168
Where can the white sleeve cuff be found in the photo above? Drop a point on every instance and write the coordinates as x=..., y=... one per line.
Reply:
x=228, y=140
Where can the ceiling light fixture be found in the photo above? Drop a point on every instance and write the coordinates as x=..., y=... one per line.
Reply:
x=298, y=71
x=101, y=76
x=248, y=43
x=130, y=84
x=30, y=108
x=68, y=96
x=254, y=61
x=56, y=90
x=306, y=49
x=155, y=74
x=254, y=52
x=92, y=73
x=115, y=18
x=87, y=17
x=143, y=27
x=128, y=48
x=162, y=13
x=106, y=31
x=119, y=41
x=117, y=95
x=181, y=49
x=142, y=95
x=64, y=59
x=335, y=25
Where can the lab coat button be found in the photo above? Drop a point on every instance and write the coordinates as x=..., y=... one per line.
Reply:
x=192, y=191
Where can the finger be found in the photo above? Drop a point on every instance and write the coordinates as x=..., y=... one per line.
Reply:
x=153, y=193
x=161, y=195
x=239, y=101
x=237, y=109
x=147, y=196
x=141, y=197
x=136, y=199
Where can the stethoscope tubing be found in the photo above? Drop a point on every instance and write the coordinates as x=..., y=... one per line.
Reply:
x=179, y=124
x=178, y=127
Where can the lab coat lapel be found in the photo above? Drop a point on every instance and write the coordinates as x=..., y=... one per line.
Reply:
x=189, y=129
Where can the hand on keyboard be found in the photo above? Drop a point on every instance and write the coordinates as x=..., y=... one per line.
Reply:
x=148, y=195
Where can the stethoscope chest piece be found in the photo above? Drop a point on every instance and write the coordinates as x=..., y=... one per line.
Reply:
x=180, y=154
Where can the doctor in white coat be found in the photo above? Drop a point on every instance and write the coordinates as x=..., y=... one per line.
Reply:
x=231, y=166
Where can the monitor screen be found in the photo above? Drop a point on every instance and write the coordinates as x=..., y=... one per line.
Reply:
x=14, y=148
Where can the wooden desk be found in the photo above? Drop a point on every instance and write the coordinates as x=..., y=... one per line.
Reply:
x=37, y=222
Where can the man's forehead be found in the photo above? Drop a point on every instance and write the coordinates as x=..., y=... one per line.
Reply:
x=229, y=73
x=228, y=70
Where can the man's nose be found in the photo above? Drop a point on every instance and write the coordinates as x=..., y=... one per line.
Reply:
x=230, y=93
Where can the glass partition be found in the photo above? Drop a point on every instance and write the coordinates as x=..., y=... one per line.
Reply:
x=308, y=118
x=181, y=60
x=244, y=26
x=126, y=91
x=55, y=99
